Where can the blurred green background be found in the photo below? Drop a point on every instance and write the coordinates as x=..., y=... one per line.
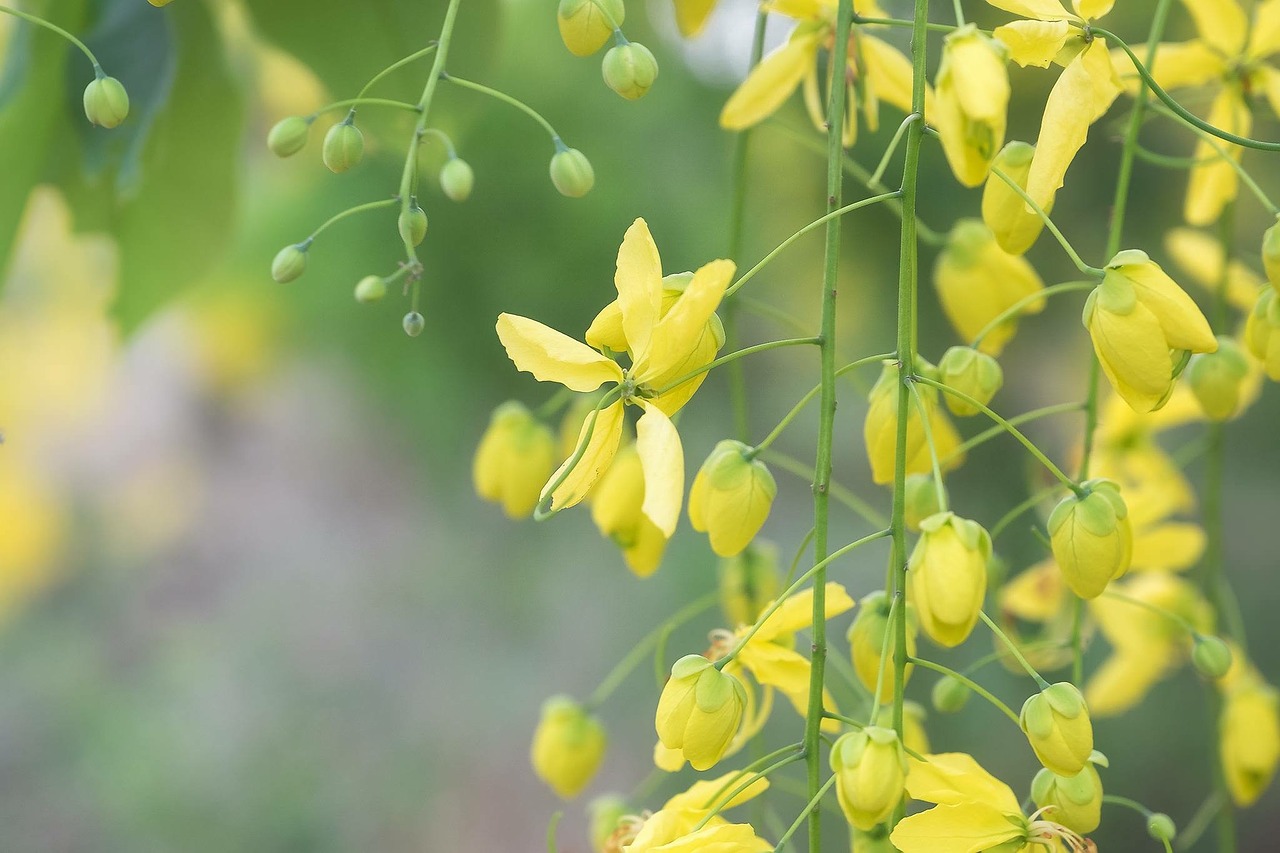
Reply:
x=250, y=600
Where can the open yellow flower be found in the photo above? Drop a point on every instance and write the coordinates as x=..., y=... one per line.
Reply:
x=661, y=347
x=883, y=72
x=1084, y=92
x=972, y=102
x=671, y=828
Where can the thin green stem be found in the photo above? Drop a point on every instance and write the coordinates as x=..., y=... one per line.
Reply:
x=1017, y=420
x=41, y=22
x=506, y=99
x=768, y=312
x=970, y=683
x=1016, y=308
x=1013, y=647
x=763, y=774
x=552, y=826
x=555, y=403
x=352, y=211
x=1134, y=805
x=1167, y=161
x=364, y=102
x=1180, y=621
x=718, y=801
x=1015, y=513
x=444, y=139
x=734, y=356
x=892, y=148
x=1048, y=223
x=904, y=23
x=795, y=561
x=395, y=66
x=809, y=397
x=859, y=507
x=1077, y=641
x=939, y=488
x=1042, y=645
x=848, y=721
x=810, y=808
x=1202, y=819
x=959, y=8
x=896, y=611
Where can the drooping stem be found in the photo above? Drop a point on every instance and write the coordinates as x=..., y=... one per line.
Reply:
x=1013, y=649
x=811, y=808
x=1017, y=420
x=1016, y=308
x=970, y=683
x=352, y=211
x=41, y=22
x=808, y=398
x=395, y=66
x=506, y=99
x=1048, y=223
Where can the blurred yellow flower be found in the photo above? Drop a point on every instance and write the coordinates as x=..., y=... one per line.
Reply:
x=977, y=281
x=568, y=746
x=515, y=456
x=880, y=429
x=731, y=497
x=1249, y=739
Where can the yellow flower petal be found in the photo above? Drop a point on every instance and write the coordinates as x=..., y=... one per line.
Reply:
x=679, y=332
x=1169, y=547
x=796, y=613
x=787, y=670
x=1177, y=65
x=691, y=15
x=961, y=828
x=1184, y=326
x=662, y=457
x=888, y=73
x=1091, y=10
x=699, y=794
x=601, y=434
x=770, y=83
x=1134, y=355
x=639, y=283
x=1212, y=186
x=1264, y=37
x=1221, y=23
x=1034, y=42
x=1122, y=681
x=554, y=357
x=1042, y=10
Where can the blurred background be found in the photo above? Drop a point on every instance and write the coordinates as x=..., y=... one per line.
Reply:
x=249, y=598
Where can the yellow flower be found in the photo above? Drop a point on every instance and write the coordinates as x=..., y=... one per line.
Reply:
x=978, y=281
x=1262, y=332
x=948, y=576
x=870, y=767
x=921, y=499
x=585, y=25
x=970, y=372
x=1014, y=225
x=691, y=15
x=874, y=68
x=666, y=833
x=661, y=345
x=568, y=746
x=1200, y=255
x=1083, y=93
x=616, y=503
x=1056, y=722
x=880, y=430
x=1092, y=537
x=1034, y=612
x=1073, y=801
x=971, y=103
x=1141, y=324
x=748, y=582
x=868, y=634
x=672, y=827
x=699, y=711
x=731, y=497
x=1249, y=738
x=515, y=457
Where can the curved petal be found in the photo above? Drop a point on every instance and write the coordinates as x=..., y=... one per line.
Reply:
x=678, y=333
x=554, y=357
x=601, y=434
x=1169, y=547
x=1177, y=65
x=639, y=283
x=1041, y=10
x=796, y=613
x=1033, y=42
x=769, y=84
x=662, y=457
x=691, y=15
x=955, y=777
x=1264, y=37
x=1134, y=355
x=889, y=73
x=1221, y=23
x=1091, y=10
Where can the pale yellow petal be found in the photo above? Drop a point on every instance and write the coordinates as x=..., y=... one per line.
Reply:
x=1122, y=681
x=1264, y=37
x=1270, y=85
x=964, y=828
x=1134, y=355
x=662, y=456
x=1034, y=42
x=639, y=283
x=601, y=436
x=955, y=777
x=796, y=613
x=1177, y=65
x=554, y=357
x=1091, y=10
x=1212, y=186
x=1169, y=547
x=888, y=73
x=770, y=83
x=1043, y=10
x=691, y=15
x=1222, y=23
x=679, y=332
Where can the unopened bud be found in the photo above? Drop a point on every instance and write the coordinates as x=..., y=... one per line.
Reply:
x=1271, y=254
x=371, y=288
x=571, y=172
x=457, y=179
x=413, y=323
x=1092, y=537
x=922, y=496
x=585, y=25
x=971, y=372
x=343, y=146
x=629, y=69
x=950, y=695
x=289, y=136
x=1161, y=827
x=1056, y=722
x=1211, y=656
x=290, y=262
x=1217, y=378
x=1262, y=332
x=106, y=103
x=412, y=223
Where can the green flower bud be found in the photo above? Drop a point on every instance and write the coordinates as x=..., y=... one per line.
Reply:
x=1216, y=379
x=970, y=372
x=1161, y=827
x=585, y=25
x=457, y=179
x=1262, y=332
x=290, y=262
x=950, y=695
x=343, y=146
x=699, y=711
x=629, y=69
x=604, y=814
x=867, y=637
x=1091, y=537
x=1271, y=254
x=571, y=172
x=870, y=767
x=371, y=288
x=748, y=582
x=921, y=499
x=289, y=136
x=1056, y=723
x=106, y=103
x=412, y=223
x=731, y=497
x=413, y=323
x=1211, y=656
x=1071, y=801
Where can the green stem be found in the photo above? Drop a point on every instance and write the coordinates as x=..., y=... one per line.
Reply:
x=795, y=561
x=41, y=22
x=1013, y=514
x=904, y=23
x=1048, y=223
x=896, y=611
x=1134, y=805
x=1077, y=641
x=939, y=489
x=811, y=808
x=444, y=139
x=848, y=721
x=892, y=148
x=826, y=219
x=1180, y=621
x=352, y=211
x=860, y=507
x=1013, y=647
x=1017, y=420
x=395, y=66
x=1167, y=161
x=808, y=398
x=777, y=765
x=1212, y=806
x=551, y=831
x=363, y=102
x=1016, y=308
x=970, y=683
x=959, y=8
x=734, y=356
x=506, y=99
x=719, y=801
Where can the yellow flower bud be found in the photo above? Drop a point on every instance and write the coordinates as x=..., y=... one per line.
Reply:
x=412, y=223
x=413, y=324
x=1262, y=332
x=371, y=288
x=880, y=430
x=971, y=372
x=867, y=637
x=457, y=179
x=289, y=136
x=629, y=69
x=921, y=499
x=106, y=103
x=977, y=281
x=616, y=503
x=568, y=746
x=515, y=458
x=1015, y=227
x=1071, y=801
x=699, y=711
x=1271, y=254
x=1092, y=537
x=948, y=576
x=1056, y=722
x=870, y=767
x=571, y=173
x=972, y=101
x=585, y=25
x=1249, y=739
x=1140, y=322
x=748, y=582
x=605, y=814
x=343, y=145
x=1217, y=379
x=290, y=262
x=731, y=497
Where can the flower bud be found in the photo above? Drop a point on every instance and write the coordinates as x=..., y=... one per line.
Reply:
x=413, y=324
x=950, y=695
x=867, y=636
x=731, y=497
x=1091, y=537
x=568, y=746
x=748, y=582
x=617, y=502
x=880, y=430
x=978, y=281
x=106, y=103
x=1004, y=211
x=948, y=576
x=1071, y=801
x=629, y=69
x=1271, y=254
x=970, y=372
x=1217, y=379
x=585, y=25
x=972, y=101
x=1249, y=739
x=921, y=496
x=516, y=456
x=1161, y=827
x=457, y=179
x=371, y=288
x=1262, y=332
x=343, y=146
x=1056, y=722
x=571, y=173
x=289, y=136
x=870, y=767
x=699, y=711
x=604, y=814
x=914, y=737
x=1211, y=656
x=412, y=223
x=874, y=840
x=290, y=262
